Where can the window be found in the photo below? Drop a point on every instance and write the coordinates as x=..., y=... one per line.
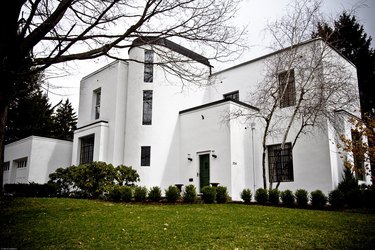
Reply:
x=145, y=156
x=147, y=107
x=149, y=66
x=358, y=156
x=87, y=149
x=287, y=89
x=6, y=166
x=235, y=95
x=21, y=163
x=280, y=163
x=97, y=95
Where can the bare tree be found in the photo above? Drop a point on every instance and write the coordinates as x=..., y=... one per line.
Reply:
x=39, y=33
x=304, y=83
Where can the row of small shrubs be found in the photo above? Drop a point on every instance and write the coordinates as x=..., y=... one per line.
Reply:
x=142, y=194
x=318, y=199
x=212, y=194
x=172, y=194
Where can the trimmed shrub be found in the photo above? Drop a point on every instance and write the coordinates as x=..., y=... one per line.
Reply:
x=261, y=195
x=318, y=199
x=274, y=196
x=301, y=197
x=246, y=195
x=140, y=193
x=287, y=198
x=208, y=194
x=369, y=197
x=354, y=198
x=336, y=198
x=114, y=193
x=125, y=175
x=190, y=194
x=126, y=193
x=221, y=194
x=172, y=193
x=154, y=194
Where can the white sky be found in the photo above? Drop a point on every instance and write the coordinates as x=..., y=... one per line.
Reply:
x=254, y=13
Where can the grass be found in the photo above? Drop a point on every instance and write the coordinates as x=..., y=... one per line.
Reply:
x=53, y=223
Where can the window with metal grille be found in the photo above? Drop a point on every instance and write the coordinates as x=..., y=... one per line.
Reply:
x=147, y=107
x=235, y=95
x=97, y=94
x=287, y=89
x=149, y=66
x=145, y=156
x=280, y=163
x=6, y=166
x=87, y=149
x=22, y=163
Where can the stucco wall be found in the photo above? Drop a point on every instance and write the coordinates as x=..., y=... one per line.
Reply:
x=44, y=156
x=163, y=134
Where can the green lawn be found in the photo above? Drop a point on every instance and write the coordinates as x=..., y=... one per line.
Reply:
x=86, y=224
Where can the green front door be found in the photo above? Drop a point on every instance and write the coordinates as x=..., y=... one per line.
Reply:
x=204, y=170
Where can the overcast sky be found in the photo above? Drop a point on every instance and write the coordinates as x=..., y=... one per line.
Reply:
x=254, y=13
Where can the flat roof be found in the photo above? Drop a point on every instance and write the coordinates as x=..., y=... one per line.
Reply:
x=218, y=102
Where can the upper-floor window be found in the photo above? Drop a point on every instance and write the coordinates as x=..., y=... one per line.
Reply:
x=287, y=89
x=97, y=97
x=147, y=107
x=21, y=163
x=149, y=66
x=280, y=162
x=145, y=156
x=87, y=149
x=6, y=166
x=235, y=95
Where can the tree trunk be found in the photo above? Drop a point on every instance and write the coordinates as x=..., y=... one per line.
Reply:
x=3, y=120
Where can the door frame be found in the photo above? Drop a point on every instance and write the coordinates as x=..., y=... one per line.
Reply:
x=207, y=152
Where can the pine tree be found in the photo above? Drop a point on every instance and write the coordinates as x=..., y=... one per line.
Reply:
x=30, y=113
x=349, y=38
x=65, y=121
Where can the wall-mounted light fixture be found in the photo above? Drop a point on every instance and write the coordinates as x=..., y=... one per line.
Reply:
x=189, y=158
x=213, y=154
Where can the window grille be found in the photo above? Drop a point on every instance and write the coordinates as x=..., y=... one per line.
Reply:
x=149, y=66
x=145, y=156
x=235, y=95
x=147, y=107
x=280, y=162
x=87, y=149
x=287, y=89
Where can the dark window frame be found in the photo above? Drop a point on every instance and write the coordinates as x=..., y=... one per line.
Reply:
x=282, y=163
x=234, y=95
x=287, y=79
x=98, y=96
x=147, y=107
x=6, y=166
x=148, y=75
x=21, y=163
x=145, y=156
x=86, y=152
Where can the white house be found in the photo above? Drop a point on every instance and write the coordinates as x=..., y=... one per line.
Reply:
x=140, y=114
x=32, y=159
x=136, y=114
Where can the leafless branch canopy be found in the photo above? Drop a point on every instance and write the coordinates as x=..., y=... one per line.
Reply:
x=60, y=31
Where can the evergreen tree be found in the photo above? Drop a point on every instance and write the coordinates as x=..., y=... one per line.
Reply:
x=65, y=121
x=30, y=113
x=349, y=38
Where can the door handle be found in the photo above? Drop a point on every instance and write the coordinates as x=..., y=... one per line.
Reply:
x=197, y=174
